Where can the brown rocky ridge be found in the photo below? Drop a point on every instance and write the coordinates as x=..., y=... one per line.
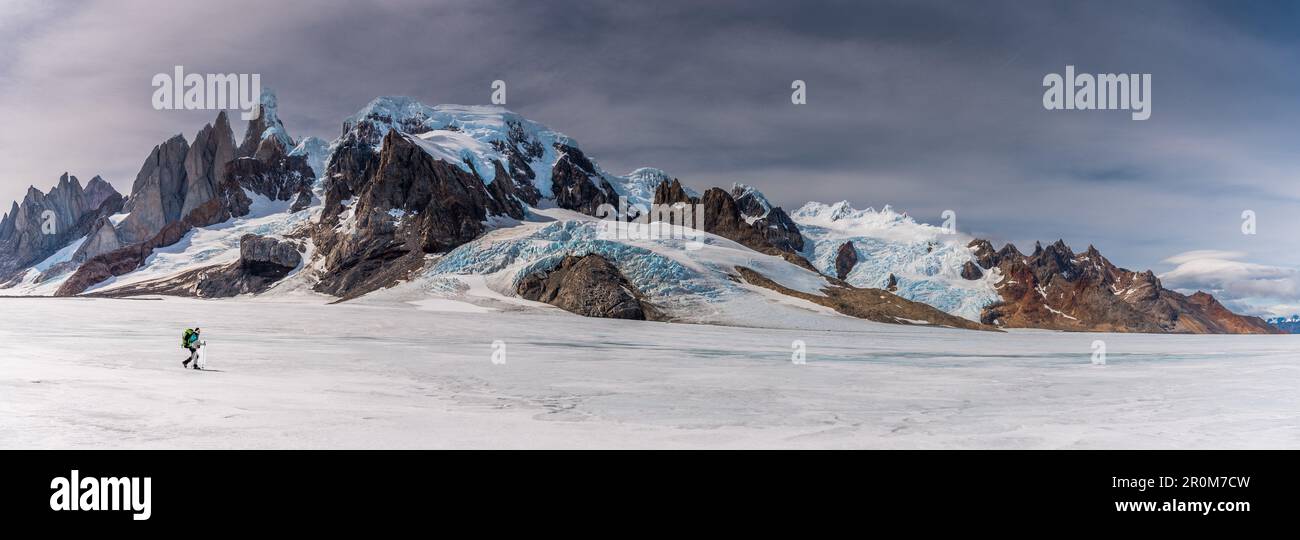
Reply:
x=1057, y=289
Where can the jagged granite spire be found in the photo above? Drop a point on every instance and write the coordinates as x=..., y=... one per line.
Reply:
x=265, y=125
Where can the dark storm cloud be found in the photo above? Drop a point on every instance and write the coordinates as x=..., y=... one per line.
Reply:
x=923, y=105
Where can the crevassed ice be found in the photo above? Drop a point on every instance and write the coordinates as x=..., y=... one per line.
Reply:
x=653, y=274
x=925, y=261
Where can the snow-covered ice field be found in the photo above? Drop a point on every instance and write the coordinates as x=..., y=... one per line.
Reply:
x=293, y=373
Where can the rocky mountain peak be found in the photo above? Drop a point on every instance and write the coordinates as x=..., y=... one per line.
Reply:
x=983, y=252
x=158, y=193
x=98, y=190
x=1009, y=251
x=44, y=223
x=410, y=204
x=205, y=163
x=265, y=125
x=672, y=192
x=1054, y=288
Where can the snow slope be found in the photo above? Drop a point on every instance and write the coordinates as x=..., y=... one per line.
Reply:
x=925, y=260
x=394, y=376
x=215, y=244
x=316, y=151
x=28, y=286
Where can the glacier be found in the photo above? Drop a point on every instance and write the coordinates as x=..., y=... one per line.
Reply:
x=926, y=260
x=691, y=285
x=393, y=375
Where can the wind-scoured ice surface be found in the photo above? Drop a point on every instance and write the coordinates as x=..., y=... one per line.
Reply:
x=925, y=260
x=105, y=373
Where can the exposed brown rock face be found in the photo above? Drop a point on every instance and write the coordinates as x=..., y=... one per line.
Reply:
x=984, y=253
x=511, y=194
x=971, y=271
x=845, y=259
x=355, y=162
x=722, y=217
x=1055, y=288
x=892, y=284
x=576, y=185
x=520, y=148
x=771, y=231
x=1225, y=320
x=871, y=304
x=45, y=223
x=415, y=204
x=672, y=193
x=589, y=286
x=350, y=167
x=771, y=221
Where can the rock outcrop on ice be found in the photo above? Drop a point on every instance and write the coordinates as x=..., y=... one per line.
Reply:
x=1055, y=288
x=268, y=257
x=845, y=259
x=262, y=262
x=316, y=151
x=588, y=285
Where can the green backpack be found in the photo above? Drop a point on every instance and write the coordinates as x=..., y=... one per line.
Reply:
x=186, y=337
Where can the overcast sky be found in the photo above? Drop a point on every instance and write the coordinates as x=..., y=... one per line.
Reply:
x=925, y=106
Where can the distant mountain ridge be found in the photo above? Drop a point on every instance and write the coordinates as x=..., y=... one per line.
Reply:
x=46, y=223
x=407, y=187
x=1055, y=288
x=1290, y=325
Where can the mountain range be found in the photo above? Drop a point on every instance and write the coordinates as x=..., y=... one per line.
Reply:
x=450, y=201
x=1289, y=325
